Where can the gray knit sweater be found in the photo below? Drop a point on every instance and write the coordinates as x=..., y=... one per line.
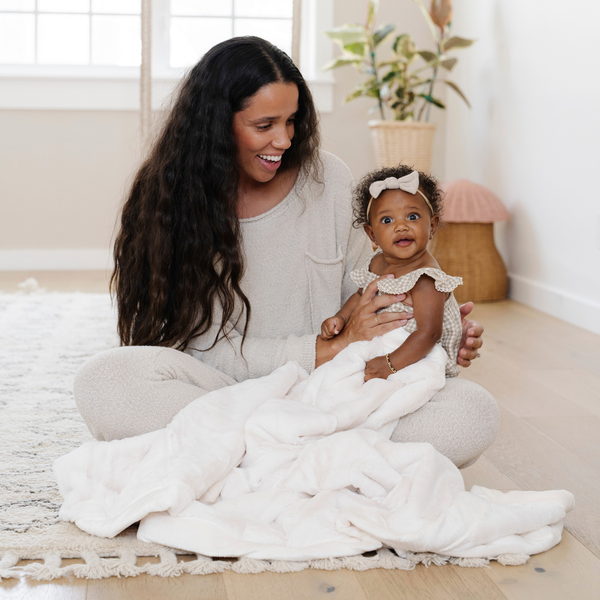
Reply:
x=298, y=258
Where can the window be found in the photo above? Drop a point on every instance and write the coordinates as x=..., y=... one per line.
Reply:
x=85, y=54
x=70, y=32
x=197, y=25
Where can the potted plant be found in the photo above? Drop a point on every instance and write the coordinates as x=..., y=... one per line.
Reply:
x=404, y=83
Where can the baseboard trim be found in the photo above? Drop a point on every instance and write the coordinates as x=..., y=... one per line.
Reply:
x=558, y=303
x=76, y=259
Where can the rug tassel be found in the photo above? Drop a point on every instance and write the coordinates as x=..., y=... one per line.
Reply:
x=168, y=566
x=124, y=566
x=512, y=560
x=94, y=567
x=288, y=566
x=7, y=563
x=326, y=564
x=470, y=562
x=427, y=558
x=390, y=560
x=205, y=566
x=250, y=565
x=50, y=569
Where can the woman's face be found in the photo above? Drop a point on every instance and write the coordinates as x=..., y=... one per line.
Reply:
x=264, y=130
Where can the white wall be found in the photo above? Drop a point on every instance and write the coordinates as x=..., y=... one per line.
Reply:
x=533, y=138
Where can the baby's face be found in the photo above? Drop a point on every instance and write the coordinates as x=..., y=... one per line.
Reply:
x=400, y=224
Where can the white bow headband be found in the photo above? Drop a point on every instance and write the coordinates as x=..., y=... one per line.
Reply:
x=409, y=183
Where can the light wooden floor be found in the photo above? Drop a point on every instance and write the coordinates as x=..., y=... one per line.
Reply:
x=545, y=375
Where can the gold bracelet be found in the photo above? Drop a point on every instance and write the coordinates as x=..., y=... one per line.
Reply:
x=390, y=365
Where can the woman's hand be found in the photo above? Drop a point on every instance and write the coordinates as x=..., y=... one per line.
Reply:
x=471, y=340
x=364, y=323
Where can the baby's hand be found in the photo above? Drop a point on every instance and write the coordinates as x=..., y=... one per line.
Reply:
x=377, y=368
x=332, y=326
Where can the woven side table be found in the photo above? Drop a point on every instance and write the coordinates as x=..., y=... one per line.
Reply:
x=464, y=244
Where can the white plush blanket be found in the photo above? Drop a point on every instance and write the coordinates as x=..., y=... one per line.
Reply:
x=297, y=467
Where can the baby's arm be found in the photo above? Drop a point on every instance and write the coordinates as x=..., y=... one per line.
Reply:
x=332, y=326
x=428, y=306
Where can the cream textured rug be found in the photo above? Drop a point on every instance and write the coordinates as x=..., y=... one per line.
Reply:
x=44, y=338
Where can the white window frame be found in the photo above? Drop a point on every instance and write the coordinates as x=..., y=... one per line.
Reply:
x=94, y=87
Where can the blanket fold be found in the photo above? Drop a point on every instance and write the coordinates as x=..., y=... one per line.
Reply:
x=298, y=467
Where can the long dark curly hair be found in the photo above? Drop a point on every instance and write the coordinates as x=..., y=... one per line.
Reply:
x=177, y=255
x=427, y=183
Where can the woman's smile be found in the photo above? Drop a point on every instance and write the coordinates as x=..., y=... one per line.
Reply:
x=270, y=162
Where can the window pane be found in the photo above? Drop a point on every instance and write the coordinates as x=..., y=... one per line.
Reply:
x=63, y=39
x=191, y=38
x=72, y=6
x=119, y=7
x=17, y=39
x=203, y=8
x=19, y=5
x=277, y=31
x=116, y=41
x=265, y=8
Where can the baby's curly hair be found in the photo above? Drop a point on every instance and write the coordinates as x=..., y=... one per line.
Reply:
x=361, y=196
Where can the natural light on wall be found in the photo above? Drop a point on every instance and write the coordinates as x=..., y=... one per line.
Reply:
x=107, y=32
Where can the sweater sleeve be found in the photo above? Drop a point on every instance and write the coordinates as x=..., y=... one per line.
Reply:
x=257, y=356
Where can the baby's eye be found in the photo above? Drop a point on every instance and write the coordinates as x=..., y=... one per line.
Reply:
x=413, y=217
x=386, y=220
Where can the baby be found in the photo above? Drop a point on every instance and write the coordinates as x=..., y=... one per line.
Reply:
x=400, y=210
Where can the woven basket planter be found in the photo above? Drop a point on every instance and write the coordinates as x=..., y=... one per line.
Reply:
x=402, y=142
x=467, y=250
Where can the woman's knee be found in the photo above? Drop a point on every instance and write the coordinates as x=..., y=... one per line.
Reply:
x=461, y=421
x=136, y=389
x=106, y=384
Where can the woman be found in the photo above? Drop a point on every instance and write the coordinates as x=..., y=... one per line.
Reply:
x=234, y=240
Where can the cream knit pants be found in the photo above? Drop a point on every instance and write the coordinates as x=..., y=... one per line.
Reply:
x=132, y=390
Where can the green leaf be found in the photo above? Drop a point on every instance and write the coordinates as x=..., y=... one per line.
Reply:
x=355, y=93
x=457, y=42
x=432, y=100
x=346, y=35
x=449, y=63
x=389, y=76
x=416, y=81
x=427, y=56
x=390, y=63
x=342, y=61
x=358, y=49
x=373, y=7
x=457, y=90
x=404, y=46
x=381, y=33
